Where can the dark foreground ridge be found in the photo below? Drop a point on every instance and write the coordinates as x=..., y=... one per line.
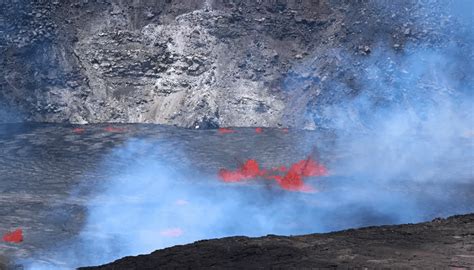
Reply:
x=441, y=243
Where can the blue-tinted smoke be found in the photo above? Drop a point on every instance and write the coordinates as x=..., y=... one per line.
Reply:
x=413, y=115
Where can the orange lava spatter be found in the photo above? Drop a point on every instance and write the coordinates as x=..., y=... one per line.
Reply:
x=308, y=167
x=225, y=131
x=13, y=237
x=248, y=170
x=292, y=180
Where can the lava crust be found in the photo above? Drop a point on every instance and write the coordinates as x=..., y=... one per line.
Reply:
x=440, y=244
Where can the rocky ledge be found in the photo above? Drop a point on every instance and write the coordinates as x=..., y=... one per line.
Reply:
x=439, y=244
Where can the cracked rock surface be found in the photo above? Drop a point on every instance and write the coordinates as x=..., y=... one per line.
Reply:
x=197, y=64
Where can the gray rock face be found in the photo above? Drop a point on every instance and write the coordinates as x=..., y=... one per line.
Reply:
x=198, y=64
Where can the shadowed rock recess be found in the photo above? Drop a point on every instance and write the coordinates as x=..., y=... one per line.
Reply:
x=198, y=64
x=439, y=244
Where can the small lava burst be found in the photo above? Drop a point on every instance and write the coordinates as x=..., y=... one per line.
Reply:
x=248, y=170
x=258, y=130
x=226, y=131
x=14, y=237
x=291, y=180
x=78, y=130
x=285, y=130
x=308, y=167
x=114, y=129
x=172, y=232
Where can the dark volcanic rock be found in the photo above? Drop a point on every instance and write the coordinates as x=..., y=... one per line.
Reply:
x=441, y=244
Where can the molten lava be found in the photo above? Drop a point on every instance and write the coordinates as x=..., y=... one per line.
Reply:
x=308, y=167
x=292, y=179
x=258, y=130
x=225, y=131
x=14, y=237
x=250, y=169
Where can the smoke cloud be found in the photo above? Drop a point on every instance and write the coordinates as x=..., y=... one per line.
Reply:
x=408, y=123
x=408, y=112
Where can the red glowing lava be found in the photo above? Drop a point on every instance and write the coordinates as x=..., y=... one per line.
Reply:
x=248, y=170
x=308, y=167
x=78, y=130
x=292, y=179
x=258, y=130
x=225, y=131
x=14, y=237
x=285, y=130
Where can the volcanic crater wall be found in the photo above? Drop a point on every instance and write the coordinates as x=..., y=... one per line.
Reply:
x=198, y=64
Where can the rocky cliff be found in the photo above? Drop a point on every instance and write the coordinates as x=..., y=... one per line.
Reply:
x=199, y=64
